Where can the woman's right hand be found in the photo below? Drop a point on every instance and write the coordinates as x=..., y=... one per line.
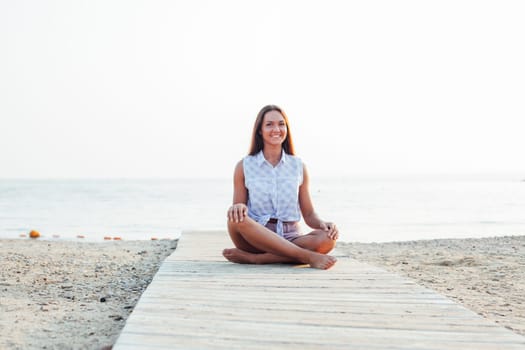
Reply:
x=237, y=212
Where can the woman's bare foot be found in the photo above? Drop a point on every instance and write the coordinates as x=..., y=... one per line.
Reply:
x=239, y=256
x=321, y=261
x=316, y=260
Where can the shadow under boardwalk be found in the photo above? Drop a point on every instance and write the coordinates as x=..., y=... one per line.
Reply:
x=197, y=300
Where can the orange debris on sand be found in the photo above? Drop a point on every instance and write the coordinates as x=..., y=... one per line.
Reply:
x=81, y=236
x=154, y=238
x=107, y=238
x=34, y=234
x=117, y=238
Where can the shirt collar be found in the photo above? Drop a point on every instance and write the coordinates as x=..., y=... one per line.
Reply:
x=261, y=160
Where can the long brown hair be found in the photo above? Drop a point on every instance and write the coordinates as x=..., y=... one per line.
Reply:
x=257, y=143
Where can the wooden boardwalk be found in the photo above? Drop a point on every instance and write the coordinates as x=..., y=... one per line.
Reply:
x=197, y=300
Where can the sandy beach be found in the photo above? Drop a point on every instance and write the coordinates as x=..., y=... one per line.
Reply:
x=486, y=275
x=72, y=295
x=62, y=295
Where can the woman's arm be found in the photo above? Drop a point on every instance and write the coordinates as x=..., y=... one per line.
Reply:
x=238, y=210
x=307, y=209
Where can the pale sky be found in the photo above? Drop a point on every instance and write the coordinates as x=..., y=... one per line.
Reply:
x=171, y=88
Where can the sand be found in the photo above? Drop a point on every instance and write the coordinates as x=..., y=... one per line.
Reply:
x=486, y=275
x=72, y=295
x=63, y=295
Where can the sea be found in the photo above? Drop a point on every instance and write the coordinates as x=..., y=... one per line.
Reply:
x=372, y=208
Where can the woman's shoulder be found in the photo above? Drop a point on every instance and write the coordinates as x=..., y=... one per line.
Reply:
x=250, y=160
x=246, y=162
x=295, y=159
x=239, y=164
x=239, y=169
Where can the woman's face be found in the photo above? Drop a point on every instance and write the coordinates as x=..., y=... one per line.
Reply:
x=273, y=128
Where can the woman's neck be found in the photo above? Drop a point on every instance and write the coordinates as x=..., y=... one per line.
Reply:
x=273, y=154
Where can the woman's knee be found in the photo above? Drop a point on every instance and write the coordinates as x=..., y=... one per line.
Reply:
x=324, y=244
x=317, y=241
x=236, y=234
x=240, y=225
x=327, y=246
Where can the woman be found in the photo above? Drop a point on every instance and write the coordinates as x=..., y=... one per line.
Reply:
x=270, y=194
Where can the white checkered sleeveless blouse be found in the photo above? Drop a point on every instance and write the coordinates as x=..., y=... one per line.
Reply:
x=273, y=192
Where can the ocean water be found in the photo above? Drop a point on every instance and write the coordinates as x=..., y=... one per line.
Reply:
x=366, y=209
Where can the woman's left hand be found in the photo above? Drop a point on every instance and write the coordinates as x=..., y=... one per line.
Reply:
x=330, y=229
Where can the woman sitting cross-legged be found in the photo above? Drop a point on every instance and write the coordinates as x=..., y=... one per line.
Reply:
x=270, y=194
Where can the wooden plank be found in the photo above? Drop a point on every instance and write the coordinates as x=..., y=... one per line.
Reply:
x=198, y=300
